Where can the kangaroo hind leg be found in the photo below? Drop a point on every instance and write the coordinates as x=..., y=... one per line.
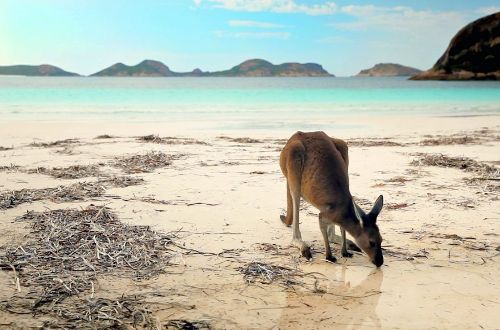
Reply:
x=295, y=166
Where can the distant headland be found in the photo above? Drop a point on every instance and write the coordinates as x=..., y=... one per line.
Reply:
x=43, y=70
x=152, y=68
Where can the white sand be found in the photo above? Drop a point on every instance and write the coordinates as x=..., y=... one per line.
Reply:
x=427, y=281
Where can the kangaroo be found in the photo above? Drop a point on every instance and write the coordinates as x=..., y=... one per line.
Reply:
x=315, y=167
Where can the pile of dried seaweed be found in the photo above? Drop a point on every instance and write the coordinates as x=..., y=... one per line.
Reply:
x=449, y=140
x=5, y=148
x=372, y=143
x=58, y=143
x=267, y=274
x=463, y=163
x=143, y=163
x=10, y=167
x=488, y=176
x=75, y=192
x=120, y=181
x=104, y=313
x=104, y=136
x=240, y=139
x=67, y=250
x=398, y=180
x=70, y=172
x=187, y=325
x=152, y=138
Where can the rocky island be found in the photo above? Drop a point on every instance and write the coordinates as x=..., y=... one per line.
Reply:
x=388, y=70
x=147, y=68
x=249, y=68
x=263, y=68
x=473, y=53
x=44, y=70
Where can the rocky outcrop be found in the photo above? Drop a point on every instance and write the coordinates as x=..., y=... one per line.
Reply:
x=473, y=53
x=35, y=70
x=388, y=70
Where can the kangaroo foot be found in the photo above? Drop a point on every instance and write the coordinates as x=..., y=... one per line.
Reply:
x=346, y=254
x=306, y=252
x=331, y=258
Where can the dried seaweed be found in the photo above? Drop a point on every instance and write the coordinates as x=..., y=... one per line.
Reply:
x=268, y=273
x=70, y=172
x=373, y=143
x=240, y=139
x=450, y=140
x=187, y=325
x=144, y=163
x=462, y=163
x=103, y=313
x=104, y=136
x=152, y=138
x=67, y=249
x=5, y=148
x=121, y=181
x=58, y=143
x=9, y=168
x=396, y=206
x=75, y=192
x=398, y=179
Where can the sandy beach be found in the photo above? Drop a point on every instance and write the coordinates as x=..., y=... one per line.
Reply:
x=219, y=194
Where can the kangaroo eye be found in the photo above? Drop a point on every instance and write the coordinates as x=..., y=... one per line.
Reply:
x=372, y=244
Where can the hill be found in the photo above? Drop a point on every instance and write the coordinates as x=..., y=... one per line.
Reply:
x=147, y=68
x=473, y=53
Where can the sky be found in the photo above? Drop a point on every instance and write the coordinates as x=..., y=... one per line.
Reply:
x=85, y=36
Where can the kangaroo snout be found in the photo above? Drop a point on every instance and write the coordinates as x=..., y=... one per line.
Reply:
x=379, y=259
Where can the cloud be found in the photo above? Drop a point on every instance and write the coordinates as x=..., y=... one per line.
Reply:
x=253, y=35
x=401, y=18
x=333, y=40
x=277, y=6
x=255, y=24
x=488, y=10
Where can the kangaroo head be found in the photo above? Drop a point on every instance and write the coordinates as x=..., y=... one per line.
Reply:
x=369, y=239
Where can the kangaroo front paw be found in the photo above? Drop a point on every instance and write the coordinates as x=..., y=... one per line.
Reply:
x=285, y=221
x=331, y=258
x=352, y=246
x=306, y=252
x=346, y=254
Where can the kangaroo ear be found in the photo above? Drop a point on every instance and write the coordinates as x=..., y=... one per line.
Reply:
x=360, y=214
x=377, y=207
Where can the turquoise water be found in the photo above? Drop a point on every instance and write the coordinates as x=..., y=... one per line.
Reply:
x=250, y=100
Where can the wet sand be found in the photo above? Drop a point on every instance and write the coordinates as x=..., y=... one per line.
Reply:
x=223, y=196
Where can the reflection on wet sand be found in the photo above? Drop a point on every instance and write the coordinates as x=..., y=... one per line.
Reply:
x=348, y=300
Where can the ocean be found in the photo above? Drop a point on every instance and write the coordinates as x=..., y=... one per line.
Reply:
x=239, y=103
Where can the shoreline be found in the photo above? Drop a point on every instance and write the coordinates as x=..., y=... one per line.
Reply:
x=341, y=126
